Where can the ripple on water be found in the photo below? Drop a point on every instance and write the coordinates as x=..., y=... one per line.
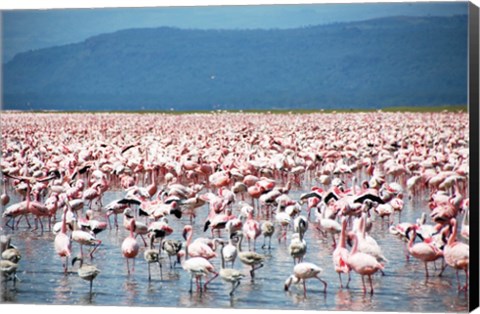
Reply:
x=402, y=289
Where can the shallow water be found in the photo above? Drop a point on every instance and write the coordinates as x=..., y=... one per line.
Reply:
x=403, y=288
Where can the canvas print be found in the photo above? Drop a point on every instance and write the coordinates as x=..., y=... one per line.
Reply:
x=307, y=156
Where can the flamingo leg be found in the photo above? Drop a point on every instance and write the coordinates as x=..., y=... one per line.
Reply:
x=466, y=279
x=28, y=222
x=363, y=282
x=334, y=242
x=41, y=224
x=65, y=266
x=191, y=284
x=426, y=269
x=340, y=277
x=161, y=272
x=348, y=282
x=371, y=283
x=149, y=277
x=95, y=248
x=208, y=281
x=458, y=281
x=443, y=268
x=128, y=267
x=234, y=287
x=13, y=225
x=304, y=288
x=324, y=284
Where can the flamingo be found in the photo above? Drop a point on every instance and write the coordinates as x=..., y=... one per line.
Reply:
x=362, y=263
x=252, y=259
x=218, y=221
x=117, y=207
x=198, y=248
x=465, y=232
x=11, y=254
x=268, y=229
x=251, y=228
x=229, y=251
x=85, y=238
x=367, y=244
x=340, y=254
x=130, y=247
x=304, y=271
x=152, y=256
x=197, y=267
x=172, y=247
x=86, y=272
x=93, y=225
x=230, y=275
x=159, y=230
x=457, y=254
x=297, y=247
x=62, y=241
x=28, y=206
x=4, y=198
x=8, y=269
x=327, y=225
x=141, y=229
x=426, y=252
x=284, y=220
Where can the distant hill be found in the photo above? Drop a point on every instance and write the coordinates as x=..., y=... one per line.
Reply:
x=375, y=63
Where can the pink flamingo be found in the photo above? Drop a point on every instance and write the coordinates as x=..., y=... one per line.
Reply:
x=457, y=254
x=130, y=247
x=362, y=263
x=159, y=230
x=197, y=248
x=197, y=266
x=85, y=238
x=4, y=198
x=94, y=225
x=62, y=241
x=27, y=206
x=302, y=272
x=251, y=228
x=340, y=255
x=92, y=193
x=426, y=252
x=218, y=221
x=141, y=229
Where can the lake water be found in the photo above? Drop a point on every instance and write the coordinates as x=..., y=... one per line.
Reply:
x=403, y=288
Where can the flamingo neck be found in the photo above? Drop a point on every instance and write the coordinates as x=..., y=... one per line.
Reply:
x=355, y=245
x=453, y=237
x=239, y=244
x=362, y=226
x=189, y=240
x=132, y=227
x=412, y=239
x=342, y=236
x=223, y=258
x=152, y=239
x=64, y=221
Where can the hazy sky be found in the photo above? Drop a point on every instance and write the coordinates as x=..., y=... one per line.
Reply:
x=33, y=29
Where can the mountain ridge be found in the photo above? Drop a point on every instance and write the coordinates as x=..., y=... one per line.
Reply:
x=306, y=67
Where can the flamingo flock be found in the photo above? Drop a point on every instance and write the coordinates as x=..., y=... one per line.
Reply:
x=338, y=177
